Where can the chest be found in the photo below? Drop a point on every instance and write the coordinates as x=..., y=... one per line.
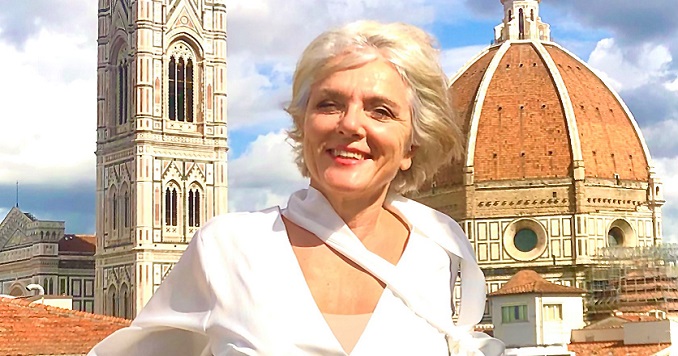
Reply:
x=279, y=315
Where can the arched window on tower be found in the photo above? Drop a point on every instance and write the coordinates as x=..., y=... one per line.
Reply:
x=194, y=208
x=181, y=90
x=171, y=206
x=124, y=294
x=521, y=25
x=181, y=73
x=189, y=90
x=532, y=14
x=115, y=211
x=112, y=301
x=122, y=96
x=126, y=209
x=510, y=15
x=172, y=89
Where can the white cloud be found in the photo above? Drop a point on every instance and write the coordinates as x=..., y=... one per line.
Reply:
x=629, y=68
x=667, y=169
x=49, y=109
x=661, y=138
x=452, y=60
x=265, y=175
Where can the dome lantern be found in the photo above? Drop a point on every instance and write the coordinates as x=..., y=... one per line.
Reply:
x=522, y=22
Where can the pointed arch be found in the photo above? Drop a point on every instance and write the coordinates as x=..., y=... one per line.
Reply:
x=119, y=77
x=125, y=206
x=112, y=300
x=172, y=190
x=112, y=207
x=183, y=75
x=124, y=302
x=195, y=198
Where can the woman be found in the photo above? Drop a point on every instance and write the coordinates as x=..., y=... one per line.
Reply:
x=349, y=267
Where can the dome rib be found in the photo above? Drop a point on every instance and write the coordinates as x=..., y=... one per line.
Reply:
x=570, y=118
x=619, y=100
x=480, y=100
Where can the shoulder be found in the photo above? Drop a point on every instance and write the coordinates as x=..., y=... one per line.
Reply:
x=233, y=227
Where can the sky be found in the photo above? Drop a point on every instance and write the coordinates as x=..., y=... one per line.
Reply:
x=48, y=53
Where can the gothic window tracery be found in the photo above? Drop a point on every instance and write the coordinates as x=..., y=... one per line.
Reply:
x=181, y=73
x=194, y=207
x=124, y=294
x=112, y=301
x=121, y=74
x=171, y=206
x=114, y=202
x=126, y=208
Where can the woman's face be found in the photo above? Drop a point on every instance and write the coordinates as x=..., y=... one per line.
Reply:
x=357, y=130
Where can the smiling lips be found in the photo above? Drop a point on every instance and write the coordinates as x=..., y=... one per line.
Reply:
x=347, y=156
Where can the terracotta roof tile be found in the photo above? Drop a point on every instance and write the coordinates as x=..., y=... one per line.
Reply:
x=36, y=329
x=78, y=243
x=522, y=129
x=529, y=281
x=615, y=348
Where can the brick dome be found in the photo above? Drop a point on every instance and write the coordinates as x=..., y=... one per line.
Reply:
x=532, y=110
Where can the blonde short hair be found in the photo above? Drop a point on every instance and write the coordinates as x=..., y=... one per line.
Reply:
x=436, y=134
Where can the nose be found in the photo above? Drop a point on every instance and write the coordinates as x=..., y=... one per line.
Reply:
x=352, y=121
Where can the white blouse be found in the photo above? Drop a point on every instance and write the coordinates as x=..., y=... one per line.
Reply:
x=239, y=290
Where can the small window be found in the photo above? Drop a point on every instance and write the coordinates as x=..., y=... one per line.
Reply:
x=513, y=314
x=525, y=240
x=553, y=312
x=615, y=237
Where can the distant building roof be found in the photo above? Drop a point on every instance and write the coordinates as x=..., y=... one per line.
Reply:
x=529, y=281
x=614, y=348
x=78, y=244
x=36, y=329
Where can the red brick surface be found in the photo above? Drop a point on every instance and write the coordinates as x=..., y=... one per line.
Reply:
x=462, y=94
x=609, y=142
x=522, y=132
x=36, y=329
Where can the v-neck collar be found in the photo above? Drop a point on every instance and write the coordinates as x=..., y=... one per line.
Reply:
x=308, y=303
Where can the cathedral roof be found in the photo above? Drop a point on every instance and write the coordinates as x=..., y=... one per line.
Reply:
x=72, y=243
x=530, y=109
x=528, y=281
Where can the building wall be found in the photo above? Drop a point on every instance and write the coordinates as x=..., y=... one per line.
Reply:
x=515, y=334
x=552, y=332
x=30, y=255
x=650, y=332
x=539, y=329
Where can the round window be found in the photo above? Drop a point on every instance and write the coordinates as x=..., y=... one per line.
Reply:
x=526, y=240
x=615, y=237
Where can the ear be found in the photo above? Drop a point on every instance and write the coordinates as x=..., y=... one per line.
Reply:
x=406, y=162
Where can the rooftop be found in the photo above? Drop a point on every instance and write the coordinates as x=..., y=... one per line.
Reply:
x=529, y=281
x=36, y=329
x=615, y=348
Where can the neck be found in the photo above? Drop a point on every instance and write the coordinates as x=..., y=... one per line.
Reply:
x=362, y=214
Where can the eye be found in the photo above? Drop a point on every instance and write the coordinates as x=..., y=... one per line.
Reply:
x=327, y=106
x=382, y=113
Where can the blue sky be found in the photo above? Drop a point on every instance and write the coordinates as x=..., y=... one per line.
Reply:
x=48, y=96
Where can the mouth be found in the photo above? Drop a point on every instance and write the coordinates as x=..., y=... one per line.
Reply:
x=352, y=154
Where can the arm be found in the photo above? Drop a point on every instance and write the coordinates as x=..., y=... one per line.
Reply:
x=173, y=321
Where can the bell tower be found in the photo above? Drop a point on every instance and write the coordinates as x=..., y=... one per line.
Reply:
x=161, y=140
x=522, y=22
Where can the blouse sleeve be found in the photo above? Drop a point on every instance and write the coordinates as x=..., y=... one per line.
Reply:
x=173, y=322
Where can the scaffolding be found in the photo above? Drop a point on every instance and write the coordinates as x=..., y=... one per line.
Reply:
x=633, y=280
